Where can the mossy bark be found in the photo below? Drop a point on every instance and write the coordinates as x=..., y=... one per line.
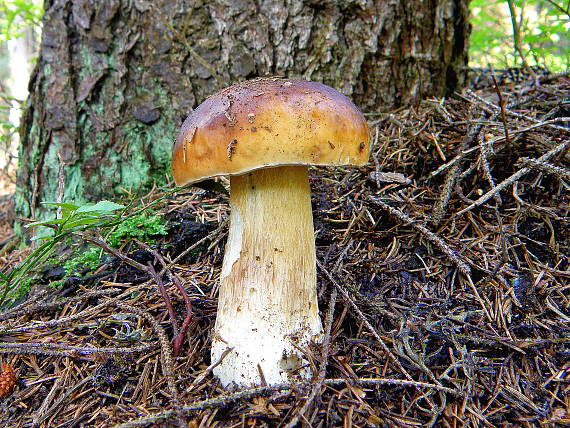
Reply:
x=115, y=79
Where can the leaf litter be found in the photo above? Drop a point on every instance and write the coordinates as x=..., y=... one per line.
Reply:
x=443, y=284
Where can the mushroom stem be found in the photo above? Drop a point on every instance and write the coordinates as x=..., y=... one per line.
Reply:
x=267, y=307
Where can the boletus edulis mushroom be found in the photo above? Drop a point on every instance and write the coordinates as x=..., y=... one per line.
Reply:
x=264, y=133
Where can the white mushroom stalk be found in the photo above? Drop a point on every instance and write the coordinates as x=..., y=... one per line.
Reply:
x=264, y=133
x=267, y=307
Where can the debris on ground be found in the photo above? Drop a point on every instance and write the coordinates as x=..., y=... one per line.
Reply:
x=443, y=278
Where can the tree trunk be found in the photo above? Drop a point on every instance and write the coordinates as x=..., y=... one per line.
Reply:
x=116, y=78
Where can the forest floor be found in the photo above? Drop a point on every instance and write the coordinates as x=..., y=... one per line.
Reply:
x=445, y=264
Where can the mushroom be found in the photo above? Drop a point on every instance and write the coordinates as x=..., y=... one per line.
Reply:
x=264, y=133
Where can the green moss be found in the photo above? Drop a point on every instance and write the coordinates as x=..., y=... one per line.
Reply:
x=21, y=291
x=89, y=259
x=74, y=184
x=86, y=58
x=51, y=163
x=116, y=154
x=142, y=227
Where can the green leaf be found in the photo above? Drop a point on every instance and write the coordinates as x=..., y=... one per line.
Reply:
x=40, y=237
x=44, y=222
x=67, y=205
x=82, y=221
x=101, y=206
x=4, y=278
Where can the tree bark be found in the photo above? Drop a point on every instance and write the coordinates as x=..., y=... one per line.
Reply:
x=115, y=79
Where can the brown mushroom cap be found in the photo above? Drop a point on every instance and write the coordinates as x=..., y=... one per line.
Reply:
x=269, y=122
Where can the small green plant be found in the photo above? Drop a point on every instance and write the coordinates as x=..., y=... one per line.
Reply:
x=71, y=219
x=24, y=288
x=141, y=226
x=73, y=215
x=89, y=259
x=104, y=218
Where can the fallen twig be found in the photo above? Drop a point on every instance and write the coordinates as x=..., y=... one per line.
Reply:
x=167, y=360
x=461, y=265
x=265, y=390
x=67, y=350
x=29, y=307
x=557, y=171
x=362, y=318
x=179, y=333
x=514, y=177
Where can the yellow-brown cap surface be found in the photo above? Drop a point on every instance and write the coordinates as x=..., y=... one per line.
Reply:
x=269, y=122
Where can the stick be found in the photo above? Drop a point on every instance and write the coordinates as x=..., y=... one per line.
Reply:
x=179, y=334
x=514, y=177
x=461, y=265
x=66, y=350
x=557, y=171
x=266, y=390
x=362, y=317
